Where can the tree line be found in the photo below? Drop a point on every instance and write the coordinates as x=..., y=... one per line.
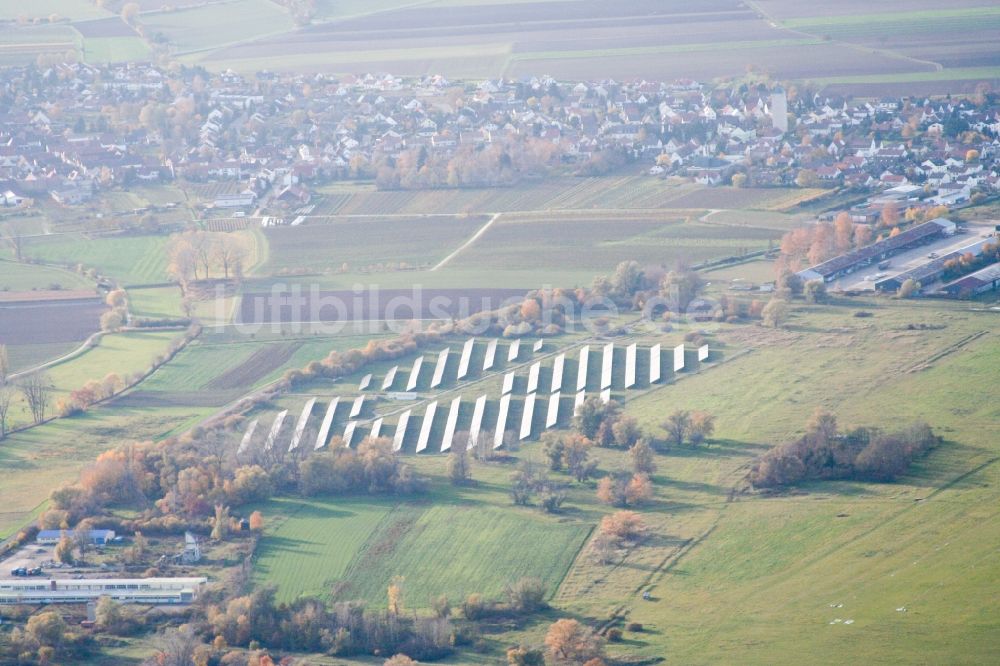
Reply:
x=824, y=452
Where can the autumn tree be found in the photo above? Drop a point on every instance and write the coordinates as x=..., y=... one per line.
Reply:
x=524, y=656
x=623, y=526
x=47, y=628
x=399, y=660
x=807, y=178
x=526, y=595
x=230, y=252
x=679, y=288
x=130, y=13
x=642, y=457
x=256, y=521
x=458, y=466
x=553, y=448
x=677, y=426
x=889, y=216
x=701, y=427
x=626, y=431
x=624, y=489
x=862, y=236
x=843, y=231
x=221, y=523
x=592, y=413
x=395, y=596
x=64, y=550
x=815, y=291
x=576, y=457
x=775, y=313
x=182, y=262
x=908, y=289
x=569, y=642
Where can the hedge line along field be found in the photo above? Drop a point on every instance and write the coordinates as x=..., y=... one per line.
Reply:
x=325, y=245
x=128, y=259
x=309, y=544
x=460, y=550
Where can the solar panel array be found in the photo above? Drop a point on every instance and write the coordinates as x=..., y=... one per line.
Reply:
x=525, y=429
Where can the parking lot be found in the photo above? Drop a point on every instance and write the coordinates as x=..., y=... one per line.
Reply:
x=865, y=278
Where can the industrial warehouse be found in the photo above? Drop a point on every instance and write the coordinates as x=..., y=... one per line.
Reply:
x=79, y=591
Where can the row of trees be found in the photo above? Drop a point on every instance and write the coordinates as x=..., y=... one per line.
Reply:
x=823, y=452
x=194, y=255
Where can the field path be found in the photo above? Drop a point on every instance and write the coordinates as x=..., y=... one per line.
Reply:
x=469, y=242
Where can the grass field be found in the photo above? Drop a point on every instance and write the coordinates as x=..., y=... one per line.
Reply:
x=215, y=25
x=351, y=549
x=155, y=302
x=100, y=50
x=127, y=259
x=124, y=353
x=311, y=543
x=27, y=277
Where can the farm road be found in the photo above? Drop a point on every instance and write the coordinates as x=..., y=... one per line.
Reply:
x=467, y=243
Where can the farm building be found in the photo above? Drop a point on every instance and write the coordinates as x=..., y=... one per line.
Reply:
x=932, y=270
x=980, y=282
x=844, y=264
x=97, y=537
x=83, y=590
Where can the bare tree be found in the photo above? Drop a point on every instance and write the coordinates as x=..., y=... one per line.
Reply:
x=81, y=538
x=4, y=364
x=177, y=647
x=182, y=262
x=36, y=389
x=229, y=252
x=203, y=243
x=15, y=239
x=458, y=466
x=6, y=395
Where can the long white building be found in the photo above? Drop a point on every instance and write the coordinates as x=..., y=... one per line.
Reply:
x=80, y=591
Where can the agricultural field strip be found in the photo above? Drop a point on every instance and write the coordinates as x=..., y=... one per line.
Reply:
x=664, y=49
